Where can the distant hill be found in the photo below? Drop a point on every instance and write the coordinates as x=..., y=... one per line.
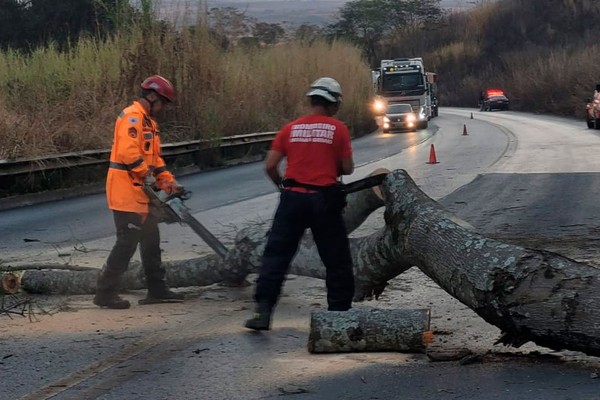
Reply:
x=296, y=12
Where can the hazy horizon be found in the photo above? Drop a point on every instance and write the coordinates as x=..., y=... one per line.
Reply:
x=296, y=12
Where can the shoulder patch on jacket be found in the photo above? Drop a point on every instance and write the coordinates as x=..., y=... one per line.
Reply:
x=133, y=120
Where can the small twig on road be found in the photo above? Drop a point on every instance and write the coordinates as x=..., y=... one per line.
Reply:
x=25, y=267
x=13, y=304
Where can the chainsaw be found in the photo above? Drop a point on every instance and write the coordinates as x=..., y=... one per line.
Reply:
x=170, y=208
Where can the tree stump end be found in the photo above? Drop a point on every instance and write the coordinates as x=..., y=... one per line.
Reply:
x=10, y=283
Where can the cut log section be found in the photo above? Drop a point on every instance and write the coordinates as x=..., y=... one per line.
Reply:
x=361, y=330
x=10, y=283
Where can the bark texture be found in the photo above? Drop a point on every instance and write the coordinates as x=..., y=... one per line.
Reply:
x=196, y=272
x=368, y=330
x=531, y=295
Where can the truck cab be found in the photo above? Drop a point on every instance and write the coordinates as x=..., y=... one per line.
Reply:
x=403, y=80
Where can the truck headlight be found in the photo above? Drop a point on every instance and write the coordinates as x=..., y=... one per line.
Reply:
x=379, y=106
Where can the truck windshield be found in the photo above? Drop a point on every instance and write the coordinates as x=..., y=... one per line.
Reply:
x=399, y=108
x=401, y=82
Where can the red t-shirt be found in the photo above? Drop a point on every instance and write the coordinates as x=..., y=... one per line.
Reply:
x=314, y=146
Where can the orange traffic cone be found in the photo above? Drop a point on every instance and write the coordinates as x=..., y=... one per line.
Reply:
x=432, y=159
x=465, y=130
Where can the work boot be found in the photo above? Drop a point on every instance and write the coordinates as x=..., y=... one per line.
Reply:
x=161, y=294
x=338, y=308
x=106, y=292
x=110, y=300
x=262, y=318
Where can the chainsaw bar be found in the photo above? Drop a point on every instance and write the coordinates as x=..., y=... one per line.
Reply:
x=365, y=183
x=204, y=233
x=171, y=209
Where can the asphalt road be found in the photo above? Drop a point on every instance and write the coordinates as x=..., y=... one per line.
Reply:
x=514, y=176
x=61, y=223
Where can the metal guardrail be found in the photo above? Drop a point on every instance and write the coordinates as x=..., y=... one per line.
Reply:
x=97, y=157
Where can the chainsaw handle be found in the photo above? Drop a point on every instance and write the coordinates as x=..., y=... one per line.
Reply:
x=184, y=194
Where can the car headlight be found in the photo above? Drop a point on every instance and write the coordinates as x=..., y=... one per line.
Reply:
x=386, y=119
x=411, y=118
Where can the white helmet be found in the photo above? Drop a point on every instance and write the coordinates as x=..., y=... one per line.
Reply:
x=328, y=88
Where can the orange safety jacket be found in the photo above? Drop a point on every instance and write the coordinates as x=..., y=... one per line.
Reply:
x=135, y=153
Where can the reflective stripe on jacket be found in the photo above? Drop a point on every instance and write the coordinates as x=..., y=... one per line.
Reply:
x=135, y=153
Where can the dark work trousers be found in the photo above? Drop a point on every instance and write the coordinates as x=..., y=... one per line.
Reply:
x=131, y=230
x=296, y=212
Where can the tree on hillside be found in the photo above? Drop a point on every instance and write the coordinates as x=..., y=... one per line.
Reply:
x=308, y=33
x=28, y=24
x=12, y=21
x=229, y=22
x=409, y=14
x=541, y=23
x=60, y=20
x=368, y=22
x=268, y=33
x=364, y=22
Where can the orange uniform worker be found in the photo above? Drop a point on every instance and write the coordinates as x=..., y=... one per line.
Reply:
x=318, y=150
x=134, y=161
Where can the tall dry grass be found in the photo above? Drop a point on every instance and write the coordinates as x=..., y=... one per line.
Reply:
x=53, y=102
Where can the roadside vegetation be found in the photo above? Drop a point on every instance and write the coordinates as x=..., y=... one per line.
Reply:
x=543, y=53
x=64, y=94
x=61, y=91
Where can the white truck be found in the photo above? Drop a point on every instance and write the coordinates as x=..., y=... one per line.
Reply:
x=403, y=80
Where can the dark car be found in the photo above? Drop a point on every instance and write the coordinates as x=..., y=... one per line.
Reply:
x=399, y=117
x=493, y=99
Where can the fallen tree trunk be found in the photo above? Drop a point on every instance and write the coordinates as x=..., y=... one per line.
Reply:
x=532, y=295
x=194, y=272
x=244, y=258
x=369, y=330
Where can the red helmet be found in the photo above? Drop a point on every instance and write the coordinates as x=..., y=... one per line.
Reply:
x=160, y=85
